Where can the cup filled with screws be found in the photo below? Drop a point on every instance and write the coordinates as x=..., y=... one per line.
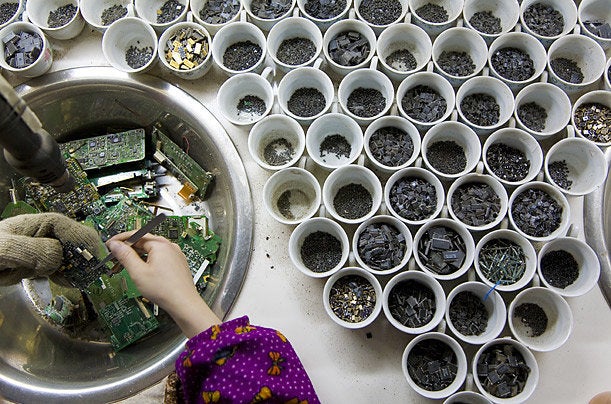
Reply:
x=348, y=45
x=435, y=16
x=247, y=98
x=542, y=110
x=276, y=142
x=403, y=49
x=184, y=49
x=512, y=156
x=319, y=247
x=591, y=117
x=548, y=20
x=162, y=14
x=594, y=17
x=10, y=11
x=491, y=19
x=266, y=13
x=352, y=298
x=130, y=45
x=568, y=266
x=215, y=14
x=99, y=14
x=382, y=245
x=540, y=319
x=324, y=12
x=352, y=194
x=391, y=143
x=59, y=19
x=25, y=50
x=414, y=302
x=414, y=195
x=505, y=260
x=505, y=371
x=474, y=313
x=294, y=42
x=380, y=14
x=334, y=140
x=239, y=47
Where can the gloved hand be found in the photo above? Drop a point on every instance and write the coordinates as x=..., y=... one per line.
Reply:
x=31, y=245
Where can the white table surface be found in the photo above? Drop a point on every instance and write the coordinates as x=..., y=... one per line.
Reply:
x=349, y=366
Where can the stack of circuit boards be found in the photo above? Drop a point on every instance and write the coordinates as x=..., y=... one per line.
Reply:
x=116, y=179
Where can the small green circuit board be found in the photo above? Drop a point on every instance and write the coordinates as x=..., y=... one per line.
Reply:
x=17, y=208
x=107, y=150
x=125, y=215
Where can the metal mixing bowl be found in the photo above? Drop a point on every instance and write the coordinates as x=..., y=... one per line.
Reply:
x=40, y=363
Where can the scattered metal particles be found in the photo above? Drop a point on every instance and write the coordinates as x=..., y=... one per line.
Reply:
x=441, y=250
x=380, y=12
x=251, y=105
x=242, y=55
x=336, y=145
x=7, y=11
x=446, y=156
x=349, y=48
x=559, y=268
x=402, y=60
x=536, y=212
x=293, y=204
x=113, y=13
x=278, y=152
x=61, y=16
x=352, y=201
x=567, y=69
x=544, y=20
x=21, y=48
x=559, y=172
x=432, y=364
x=507, y=163
x=137, y=57
x=296, y=51
x=502, y=371
x=424, y=104
x=270, y=9
x=468, y=314
x=366, y=102
x=533, y=317
x=594, y=122
x=306, y=102
x=533, y=116
x=458, y=64
x=219, y=11
x=352, y=298
x=433, y=13
x=486, y=22
x=381, y=246
x=513, y=64
x=502, y=261
x=186, y=49
x=476, y=204
x=481, y=109
x=412, y=303
x=324, y=9
x=413, y=198
x=599, y=28
x=321, y=251
x=169, y=11
x=391, y=146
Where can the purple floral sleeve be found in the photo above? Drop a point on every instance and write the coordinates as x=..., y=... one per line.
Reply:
x=235, y=362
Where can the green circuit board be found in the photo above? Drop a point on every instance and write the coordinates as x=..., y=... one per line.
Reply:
x=125, y=215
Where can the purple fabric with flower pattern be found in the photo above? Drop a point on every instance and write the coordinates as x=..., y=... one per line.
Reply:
x=236, y=362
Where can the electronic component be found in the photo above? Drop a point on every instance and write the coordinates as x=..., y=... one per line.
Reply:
x=79, y=266
x=60, y=310
x=16, y=207
x=126, y=215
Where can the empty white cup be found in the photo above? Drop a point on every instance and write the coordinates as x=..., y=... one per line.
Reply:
x=348, y=175
x=453, y=9
x=44, y=61
x=593, y=97
x=266, y=23
x=272, y=129
x=236, y=32
x=289, y=28
x=346, y=26
x=594, y=10
x=379, y=28
x=149, y=10
x=568, y=9
x=508, y=11
x=38, y=13
x=126, y=33
x=196, y=6
x=312, y=226
x=329, y=125
x=392, y=122
x=556, y=103
x=460, y=39
x=323, y=24
x=236, y=88
x=559, y=319
x=92, y=11
x=18, y=11
x=403, y=36
x=587, y=262
x=195, y=72
x=291, y=195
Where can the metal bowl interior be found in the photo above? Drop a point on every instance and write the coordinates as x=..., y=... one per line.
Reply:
x=37, y=361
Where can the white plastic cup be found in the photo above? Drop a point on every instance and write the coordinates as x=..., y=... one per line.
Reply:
x=239, y=86
x=460, y=39
x=329, y=125
x=345, y=26
x=556, y=103
x=123, y=34
x=197, y=71
x=304, y=195
x=403, y=36
x=38, y=13
x=40, y=65
x=392, y=122
x=233, y=33
x=587, y=261
x=559, y=319
x=585, y=161
x=597, y=97
x=324, y=24
x=273, y=128
x=568, y=9
x=389, y=221
x=289, y=28
x=467, y=397
x=347, y=175
x=14, y=18
x=379, y=28
x=353, y=271
x=592, y=10
x=461, y=359
x=522, y=141
x=92, y=11
x=308, y=227
x=453, y=8
x=495, y=307
x=148, y=11
x=265, y=23
x=425, y=280
x=608, y=75
x=530, y=259
x=508, y=11
x=197, y=5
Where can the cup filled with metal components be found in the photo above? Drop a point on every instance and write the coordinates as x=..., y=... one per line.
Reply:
x=591, y=116
x=391, y=143
x=162, y=14
x=276, y=142
x=215, y=14
x=10, y=10
x=99, y=14
x=491, y=19
x=334, y=140
x=542, y=110
x=380, y=16
x=435, y=16
x=349, y=45
x=294, y=42
x=548, y=21
x=324, y=14
x=57, y=18
x=265, y=14
x=25, y=50
x=130, y=45
x=184, y=49
x=247, y=98
x=403, y=49
x=594, y=17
